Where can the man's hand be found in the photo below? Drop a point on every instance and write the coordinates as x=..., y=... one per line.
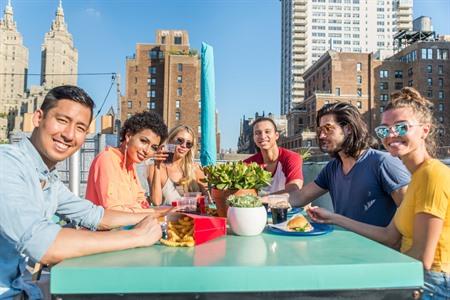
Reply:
x=148, y=230
x=320, y=215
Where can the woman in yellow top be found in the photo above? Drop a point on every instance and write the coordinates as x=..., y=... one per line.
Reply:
x=168, y=181
x=421, y=225
x=113, y=182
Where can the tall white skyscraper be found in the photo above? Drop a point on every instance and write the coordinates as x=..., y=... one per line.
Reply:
x=311, y=27
x=59, y=56
x=13, y=62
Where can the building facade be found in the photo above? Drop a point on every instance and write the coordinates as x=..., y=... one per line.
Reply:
x=164, y=77
x=13, y=71
x=59, y=57
x=311, y=27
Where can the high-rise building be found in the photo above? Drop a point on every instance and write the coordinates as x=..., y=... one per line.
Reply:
x=311, y=27
x=13, y=70
x=164, y=77
x=59, y=57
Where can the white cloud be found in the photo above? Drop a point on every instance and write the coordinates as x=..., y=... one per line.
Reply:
x=93, y=12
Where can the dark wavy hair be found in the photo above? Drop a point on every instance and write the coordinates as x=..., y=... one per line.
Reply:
x=409, y=97
x=67, y=92
x=262, y=119
x=144, y=120
x=357, y=138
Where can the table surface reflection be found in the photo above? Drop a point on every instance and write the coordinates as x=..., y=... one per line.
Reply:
x=340, y=260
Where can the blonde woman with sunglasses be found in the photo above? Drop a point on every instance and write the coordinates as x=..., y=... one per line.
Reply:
x=421, y=224
x=170, y=180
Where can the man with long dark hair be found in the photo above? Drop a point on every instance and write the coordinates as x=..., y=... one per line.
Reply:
x=364, y=184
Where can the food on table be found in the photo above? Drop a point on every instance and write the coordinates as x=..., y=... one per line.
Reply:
x=180, y=233
x=300, y=224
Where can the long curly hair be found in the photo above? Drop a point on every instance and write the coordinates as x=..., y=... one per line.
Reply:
x=409, y=97
x=189, y=178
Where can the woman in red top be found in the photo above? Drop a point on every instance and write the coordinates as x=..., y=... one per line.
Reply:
x=285, y=165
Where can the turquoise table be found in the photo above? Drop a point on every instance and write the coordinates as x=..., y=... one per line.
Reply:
x=340, y=263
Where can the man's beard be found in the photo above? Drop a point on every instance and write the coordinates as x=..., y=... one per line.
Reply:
x=333, y=153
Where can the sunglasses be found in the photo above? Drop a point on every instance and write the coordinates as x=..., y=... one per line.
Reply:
x=399, y=129
x=181, y=141
x=326, y=129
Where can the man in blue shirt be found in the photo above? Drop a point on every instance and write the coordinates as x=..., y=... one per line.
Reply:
x=365, y=184
x=31, y=193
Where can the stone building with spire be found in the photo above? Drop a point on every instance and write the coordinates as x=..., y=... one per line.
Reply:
x=59, y=57
x=13, y=70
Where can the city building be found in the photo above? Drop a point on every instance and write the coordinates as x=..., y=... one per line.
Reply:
x=311, y=27
x=164, y=77
x=59, y=57
x=336, y=76
x=245, y=141
x=13, y=71
x=424, y=65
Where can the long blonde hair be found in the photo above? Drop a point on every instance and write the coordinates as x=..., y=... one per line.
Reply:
x=189, y=178
x=409, y=97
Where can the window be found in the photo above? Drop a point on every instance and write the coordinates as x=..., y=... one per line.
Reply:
x=135, y=80
x=429, y=69
x=161, y=54
x=177, y=116
x=429, y=81
x=152, y=105
x=381, y=109
x=440, y=69
x=410, y=72
x=384, y=73
x=398, y=85
x=135, y=91
x=410, y=83
x=180, y=67
x=441, y=119
x=177, y=40
x=427, y=53
x=128, y=115
x=148, y=104
x=153, y=54
x=441, y=107
x=442, y=54
x=338, y=91
x=384, y=97
x=152, y=81
x=398, y=74
x=359, y=79
x=384, y=86
x=177, y=104
x=152, y=70
x=359, y=92
x=179, y=79
x=358, y=104
x=163, y=40
x=179, y=92
x=358, y=67
x=130, y=104
x=430, y=93
x=441, y=95
x=153, y=93
x=441, y=83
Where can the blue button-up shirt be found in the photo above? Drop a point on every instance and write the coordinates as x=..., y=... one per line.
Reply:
x=30, y=194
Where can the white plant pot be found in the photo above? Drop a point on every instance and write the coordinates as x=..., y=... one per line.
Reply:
x=247, y=221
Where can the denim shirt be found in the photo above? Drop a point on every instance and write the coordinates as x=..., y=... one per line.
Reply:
x=30, y=194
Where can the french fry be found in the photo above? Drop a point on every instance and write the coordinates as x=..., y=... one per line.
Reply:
x=180, y=233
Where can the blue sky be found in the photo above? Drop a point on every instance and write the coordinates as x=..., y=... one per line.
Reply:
x=245, y=35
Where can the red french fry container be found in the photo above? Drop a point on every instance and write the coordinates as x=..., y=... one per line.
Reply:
x=205, y=227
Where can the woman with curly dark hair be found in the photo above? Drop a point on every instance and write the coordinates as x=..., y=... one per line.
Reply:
x=113, y=182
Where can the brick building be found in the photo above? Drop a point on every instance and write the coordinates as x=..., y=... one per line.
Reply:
x=367, y=83
x=164, y=77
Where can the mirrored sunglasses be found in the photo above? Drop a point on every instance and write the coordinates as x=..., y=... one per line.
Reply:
x=181, y=141
x=399, y=129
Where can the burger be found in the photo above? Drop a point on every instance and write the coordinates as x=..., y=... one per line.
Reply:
x=300, y=224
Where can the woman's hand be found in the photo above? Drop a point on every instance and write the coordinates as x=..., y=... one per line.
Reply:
x=159, y=156
x=321, y=215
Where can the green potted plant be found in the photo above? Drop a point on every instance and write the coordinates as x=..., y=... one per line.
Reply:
x=235, y=178
x=246, y=215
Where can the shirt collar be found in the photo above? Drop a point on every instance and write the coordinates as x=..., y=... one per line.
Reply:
x=39, y=163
